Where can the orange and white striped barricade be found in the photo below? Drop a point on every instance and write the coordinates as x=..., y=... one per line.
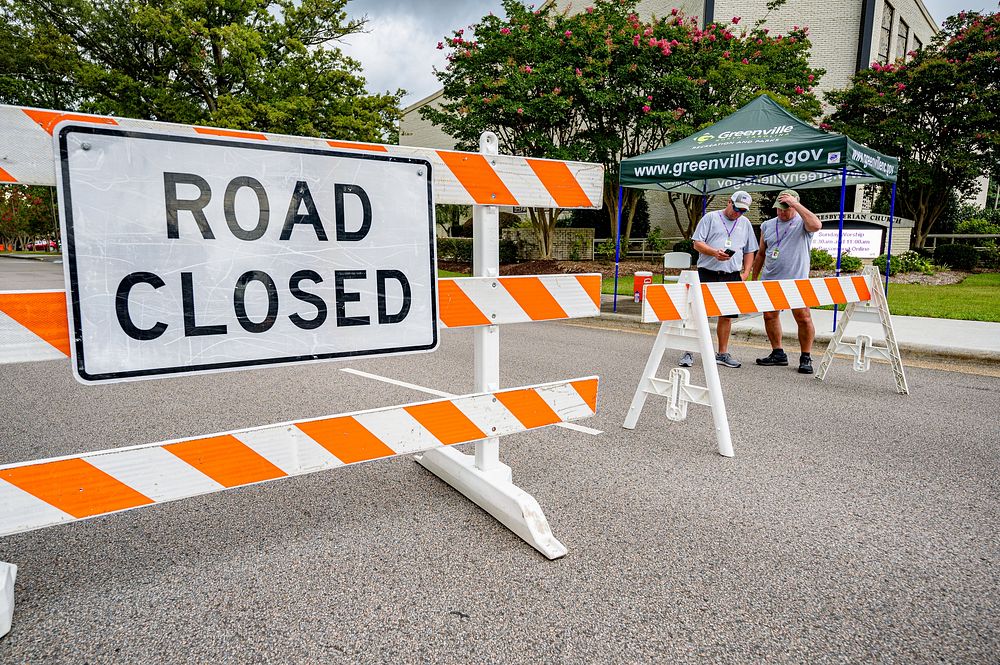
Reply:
x=42, y=325
x=863, y=348
x=683, y=310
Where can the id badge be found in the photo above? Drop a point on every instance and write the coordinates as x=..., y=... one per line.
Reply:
x=729, y=243
x=774, y=253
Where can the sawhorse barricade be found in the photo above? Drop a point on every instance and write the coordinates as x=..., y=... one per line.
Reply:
x=34, y=326
x=683, y=310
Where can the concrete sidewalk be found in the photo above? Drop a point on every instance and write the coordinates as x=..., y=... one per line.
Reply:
x=973, y=340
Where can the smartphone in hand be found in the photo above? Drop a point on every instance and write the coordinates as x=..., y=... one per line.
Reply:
x=729, y=252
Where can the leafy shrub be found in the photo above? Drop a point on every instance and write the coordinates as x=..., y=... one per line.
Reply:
x=655, y=241
x=455, y=249
x=510, y=251
x=977, y=226
x=957, y=256
x=820, y=260
x=850, y=263
x=605, y=251
x=687, y=246
x=906, y=262
x=990, y=258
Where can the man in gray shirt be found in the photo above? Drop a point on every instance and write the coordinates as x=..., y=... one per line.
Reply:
x=725, y=243
x=784, y=254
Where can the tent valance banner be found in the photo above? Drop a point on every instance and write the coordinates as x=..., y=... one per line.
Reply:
x=760, y=147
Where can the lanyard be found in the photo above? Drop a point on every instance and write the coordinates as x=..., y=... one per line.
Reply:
x=729, y=231
x=777, y=225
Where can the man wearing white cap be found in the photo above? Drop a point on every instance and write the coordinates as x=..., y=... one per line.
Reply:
x=785, y=241
x=726, y=244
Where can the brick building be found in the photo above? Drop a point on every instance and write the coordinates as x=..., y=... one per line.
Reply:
x=847, y=35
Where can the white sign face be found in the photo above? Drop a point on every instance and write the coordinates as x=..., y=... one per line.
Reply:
x=859, y=243
x=189, y=254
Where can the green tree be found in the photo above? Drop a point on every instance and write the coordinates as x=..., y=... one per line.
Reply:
x=268, y=65
x=26, y=213
x=601, y=84
x=936, y=111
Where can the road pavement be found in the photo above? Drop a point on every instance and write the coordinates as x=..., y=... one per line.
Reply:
x=854, y=524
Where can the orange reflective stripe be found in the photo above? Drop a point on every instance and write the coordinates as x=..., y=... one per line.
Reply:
x=807, y=293
x=663, y=307
x=592, y=285
x=711, y=307
x=861, y=286
x=588, y=391
x=457, y=309
x=833, y=286
x=741, y=296
x=528, y=407
x=534, y=298
x=75, y=487
x=226, y=460
x=358, y=146
x=446, y=422
x=230, y=132
x=560, y=183
x=48, y=120
x=776, y=294
x=346, y=439
x=478, y=178
x=6, y=177
x=42, y=313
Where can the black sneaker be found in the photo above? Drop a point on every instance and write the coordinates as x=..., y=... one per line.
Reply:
x=805, y=364
x=776, y=359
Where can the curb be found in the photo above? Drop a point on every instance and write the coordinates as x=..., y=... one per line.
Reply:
x=44, y=258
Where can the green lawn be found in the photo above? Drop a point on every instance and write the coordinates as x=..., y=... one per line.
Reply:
x=977, y=298
x=450, y=273
x=624, y=284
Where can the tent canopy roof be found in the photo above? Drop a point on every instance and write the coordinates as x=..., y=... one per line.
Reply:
x=759, y=147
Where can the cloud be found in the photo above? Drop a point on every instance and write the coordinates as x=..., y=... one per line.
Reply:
x=399, y=48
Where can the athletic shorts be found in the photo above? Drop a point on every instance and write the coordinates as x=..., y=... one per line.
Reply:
x=706, y=275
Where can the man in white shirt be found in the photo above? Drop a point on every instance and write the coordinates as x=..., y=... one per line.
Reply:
x=726, y=245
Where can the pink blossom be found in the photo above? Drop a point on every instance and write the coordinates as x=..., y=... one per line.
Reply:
x=527, y=69
x=504, y=31
x=673, y=12
x=578, y=72
x=678, y=112
x=792, y=40
x=900, y=86
x=760, y=41
x=912, y=54
x=647, y=32
x=824, y=125
x=666, y=50
x=799, y=90
x=520, y=111
x=767, y=30
x=635, y=40
x=745, y=61
x=649, y=97
x=881, y=94
x=812, y=77
x=673, y=42
x=736, y=19
x=590, y=10
x=556, y=90
x=711, y=38
x=646, y=109
x=568, y=33
x=440, y=45
x=654, y=42
x=725, y=54
x=461, y=32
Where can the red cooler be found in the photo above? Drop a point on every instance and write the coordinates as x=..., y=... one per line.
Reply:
x=641, y=278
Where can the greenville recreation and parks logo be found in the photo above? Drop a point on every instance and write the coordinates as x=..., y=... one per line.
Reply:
x=705, y=137
x=744, y=134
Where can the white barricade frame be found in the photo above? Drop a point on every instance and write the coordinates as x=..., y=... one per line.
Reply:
x=486, y=180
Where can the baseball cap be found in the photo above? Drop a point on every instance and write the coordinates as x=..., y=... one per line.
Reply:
x=791, y=192
x=741, y=200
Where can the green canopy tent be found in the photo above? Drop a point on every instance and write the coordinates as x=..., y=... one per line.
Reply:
x=758, y=148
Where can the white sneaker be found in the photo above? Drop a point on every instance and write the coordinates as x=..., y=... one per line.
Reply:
x=686, y=360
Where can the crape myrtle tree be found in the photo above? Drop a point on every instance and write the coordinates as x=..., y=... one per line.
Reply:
x=938, y=110
x=267, y=65
x=26, y=213
x=601, y=84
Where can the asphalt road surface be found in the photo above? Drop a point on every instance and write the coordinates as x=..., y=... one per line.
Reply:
x=853, y=525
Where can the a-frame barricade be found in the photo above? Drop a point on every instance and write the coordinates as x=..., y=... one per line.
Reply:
x=683, y=310
x=36, y=326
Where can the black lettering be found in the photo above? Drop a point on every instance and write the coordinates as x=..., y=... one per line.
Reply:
x=121, y=306
x=239, y=301
x=191, y=327
x=311, y=298
x=195, y=206
x=229, y=206
x=299, y=196
x=380, y=277
x=343, y=297
x=366, y=210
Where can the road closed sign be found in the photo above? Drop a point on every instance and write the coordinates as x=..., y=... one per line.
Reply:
x=193, y=254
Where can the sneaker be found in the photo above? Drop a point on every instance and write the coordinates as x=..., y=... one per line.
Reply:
x=686, y=360
x=727, y=360
x=805, y=364
x=776, y=359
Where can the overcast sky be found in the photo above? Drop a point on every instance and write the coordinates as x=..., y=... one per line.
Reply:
x=399, y=48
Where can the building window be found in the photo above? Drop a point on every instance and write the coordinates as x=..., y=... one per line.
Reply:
x=917, y=44
x=902, y=36
x=885, y=40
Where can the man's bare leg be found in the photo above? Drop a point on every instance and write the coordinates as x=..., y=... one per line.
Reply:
x=807, y=332
x=723, y=329
x=772, y=326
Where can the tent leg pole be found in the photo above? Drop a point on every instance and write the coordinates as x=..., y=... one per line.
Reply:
x=840, y=230
x=888, y=243
x=618, y=247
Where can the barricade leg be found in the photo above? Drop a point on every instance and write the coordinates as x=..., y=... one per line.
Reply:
x=483, y=479
x=8, y=575
x=692, y=334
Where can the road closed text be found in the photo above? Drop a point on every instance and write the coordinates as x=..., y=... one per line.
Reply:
x=189, y=255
